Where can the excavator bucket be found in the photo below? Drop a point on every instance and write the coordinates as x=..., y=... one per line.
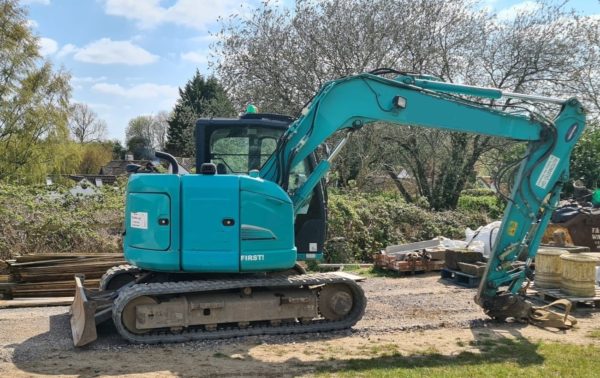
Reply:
x=89, y=308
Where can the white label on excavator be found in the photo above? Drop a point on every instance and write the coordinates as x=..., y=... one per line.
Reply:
x=312, y=247
x=139, y=220
x=547, y=172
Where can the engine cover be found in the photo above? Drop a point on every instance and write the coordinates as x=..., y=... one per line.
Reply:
x=208, y=223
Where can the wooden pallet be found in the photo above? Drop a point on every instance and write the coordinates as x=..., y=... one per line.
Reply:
x=550, y=295
x=390, y=263
x=460, y=278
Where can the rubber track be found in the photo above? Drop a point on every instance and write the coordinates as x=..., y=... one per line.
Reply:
x=115, y=271
x=189, y=287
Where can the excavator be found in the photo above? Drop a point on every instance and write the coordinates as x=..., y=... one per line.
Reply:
x=213, y=254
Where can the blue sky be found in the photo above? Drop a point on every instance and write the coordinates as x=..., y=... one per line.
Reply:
x=128, y=57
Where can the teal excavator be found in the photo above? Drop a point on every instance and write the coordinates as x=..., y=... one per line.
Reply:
x=213, y=254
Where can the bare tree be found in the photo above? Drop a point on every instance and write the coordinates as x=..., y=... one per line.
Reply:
x=279, y=58
x=85, y=125
x=152, y=128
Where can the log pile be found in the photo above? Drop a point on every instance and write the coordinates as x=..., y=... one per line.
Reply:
x=51, y=275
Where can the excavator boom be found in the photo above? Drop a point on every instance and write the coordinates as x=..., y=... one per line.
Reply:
x=408, y=100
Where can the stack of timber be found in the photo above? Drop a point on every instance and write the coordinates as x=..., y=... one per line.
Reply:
x=421, y=256
x=51, y=275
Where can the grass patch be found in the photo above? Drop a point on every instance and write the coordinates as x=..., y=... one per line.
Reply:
x=500, y=358
x=594, y=334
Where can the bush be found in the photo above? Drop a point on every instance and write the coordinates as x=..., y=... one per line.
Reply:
x=486, y=204
x=37, y=219
x=478, y=192
x=361, y=224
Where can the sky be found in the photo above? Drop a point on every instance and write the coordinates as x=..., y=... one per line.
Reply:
x=129, y=57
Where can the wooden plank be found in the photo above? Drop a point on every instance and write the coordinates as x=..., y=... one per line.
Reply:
x=36, y=302
x=50, y=285
x=40, y=294
x=49, y=277
x=55, y=256
x=75, y=268
x=62, y=262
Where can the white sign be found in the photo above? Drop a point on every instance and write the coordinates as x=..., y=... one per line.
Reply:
x=547, y=172
x=312, y=247
x=139, y=220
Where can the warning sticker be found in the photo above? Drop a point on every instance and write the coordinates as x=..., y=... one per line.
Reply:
x=139, y=220
x=547, y=172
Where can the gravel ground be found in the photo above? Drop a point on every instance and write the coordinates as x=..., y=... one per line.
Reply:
x=38, y=340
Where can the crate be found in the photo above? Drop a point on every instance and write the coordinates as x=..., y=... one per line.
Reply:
x=460, y=278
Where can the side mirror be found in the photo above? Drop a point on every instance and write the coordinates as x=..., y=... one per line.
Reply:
x=132, y=168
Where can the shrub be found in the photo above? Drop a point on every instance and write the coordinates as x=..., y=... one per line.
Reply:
x=367, y=223
x=487, y=204
x=37, y=219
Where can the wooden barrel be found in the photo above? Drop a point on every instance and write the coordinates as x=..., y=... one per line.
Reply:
x=578, y=275
x=548, y=268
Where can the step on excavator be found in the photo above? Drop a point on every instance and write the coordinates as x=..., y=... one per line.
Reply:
x=213, y=254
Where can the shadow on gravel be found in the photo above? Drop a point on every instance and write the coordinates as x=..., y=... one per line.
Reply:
x=53, y=353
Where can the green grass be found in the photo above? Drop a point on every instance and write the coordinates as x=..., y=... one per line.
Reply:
x=594, y=334
x=497, y=358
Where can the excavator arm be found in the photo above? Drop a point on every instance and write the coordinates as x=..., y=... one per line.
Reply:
x=416, y=101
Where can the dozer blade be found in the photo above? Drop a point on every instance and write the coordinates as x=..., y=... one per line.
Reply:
x=83, y=311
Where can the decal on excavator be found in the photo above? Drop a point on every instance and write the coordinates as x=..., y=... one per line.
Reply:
x=253, y=257
x=547, y=172
x=512, y=228
x=139, y=220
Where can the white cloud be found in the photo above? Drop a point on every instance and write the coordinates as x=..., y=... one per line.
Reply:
x=87, y=79
x=47, y=46
x=190, y=13
x=32, y=24
x=139, y=92
x=107, y=51
x=195, y=57
x=67, y=49
x=207, y=38
x=29, y=2
x=520, y=8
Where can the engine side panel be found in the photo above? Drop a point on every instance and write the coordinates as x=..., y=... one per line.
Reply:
x=267, y=226
x=210, y=223
x=151, y=239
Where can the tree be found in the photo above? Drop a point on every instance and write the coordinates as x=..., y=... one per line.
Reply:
x=199, y=97
x=85, y=125
x=279, y=58
x=585, y=162
x=33, y=102
x=94, y=156
x=118, y=151
x=152, y=128
x=140, y=147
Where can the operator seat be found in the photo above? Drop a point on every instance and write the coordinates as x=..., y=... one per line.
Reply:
x=221, y=169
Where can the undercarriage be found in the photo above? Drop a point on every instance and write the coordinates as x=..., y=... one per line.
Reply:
x=187, y=310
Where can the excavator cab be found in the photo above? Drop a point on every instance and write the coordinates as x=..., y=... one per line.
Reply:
x=241, y=145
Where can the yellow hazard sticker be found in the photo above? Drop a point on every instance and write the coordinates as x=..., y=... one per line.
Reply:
x=512, y=228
